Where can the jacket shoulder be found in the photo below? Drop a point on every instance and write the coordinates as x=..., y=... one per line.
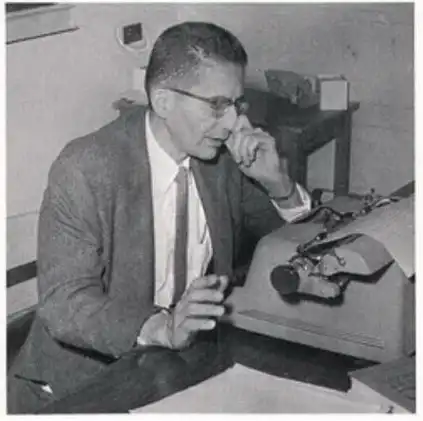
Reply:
x=102, y=152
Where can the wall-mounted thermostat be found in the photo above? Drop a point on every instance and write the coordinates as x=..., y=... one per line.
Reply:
x=132, y=37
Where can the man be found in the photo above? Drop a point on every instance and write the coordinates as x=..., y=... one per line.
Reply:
x=142, y=222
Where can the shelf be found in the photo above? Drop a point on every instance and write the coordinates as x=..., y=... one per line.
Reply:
x=34, y=23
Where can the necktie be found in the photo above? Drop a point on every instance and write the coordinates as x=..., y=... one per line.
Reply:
x=181, y=234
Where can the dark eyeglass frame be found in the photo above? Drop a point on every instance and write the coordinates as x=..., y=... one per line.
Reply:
x=219, y=104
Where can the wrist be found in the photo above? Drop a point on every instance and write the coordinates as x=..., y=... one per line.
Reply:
x=178, y=337
x=282, y=189
x=168, y=329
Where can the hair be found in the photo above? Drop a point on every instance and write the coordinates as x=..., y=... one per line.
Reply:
x=181, y=49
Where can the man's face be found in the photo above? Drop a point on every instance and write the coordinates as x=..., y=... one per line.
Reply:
x=195, y=128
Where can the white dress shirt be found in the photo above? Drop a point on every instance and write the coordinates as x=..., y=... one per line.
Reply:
x=199, y=253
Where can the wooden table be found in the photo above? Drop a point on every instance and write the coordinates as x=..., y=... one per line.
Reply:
x=142, y=377
x=300, y=132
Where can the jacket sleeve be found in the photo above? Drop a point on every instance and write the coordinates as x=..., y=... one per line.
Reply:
x=260, y=216
x=73, y=304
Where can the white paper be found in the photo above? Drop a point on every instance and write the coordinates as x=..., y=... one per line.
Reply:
x=244, y=390
x=393, y=226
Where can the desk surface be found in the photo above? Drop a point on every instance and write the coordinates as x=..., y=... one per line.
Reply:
x=142, y=377
x=307, y=129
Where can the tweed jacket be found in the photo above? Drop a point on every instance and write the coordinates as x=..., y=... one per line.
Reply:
x=96, y=248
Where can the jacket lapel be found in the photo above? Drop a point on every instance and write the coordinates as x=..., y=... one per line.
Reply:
x=210, y=181
x=142, y=237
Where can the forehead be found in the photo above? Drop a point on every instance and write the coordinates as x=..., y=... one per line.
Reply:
x=216, y=79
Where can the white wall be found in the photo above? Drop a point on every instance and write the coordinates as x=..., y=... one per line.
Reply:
x=63, y=86
x=58, y=88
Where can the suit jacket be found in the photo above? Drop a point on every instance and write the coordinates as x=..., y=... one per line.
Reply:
x=96, y=248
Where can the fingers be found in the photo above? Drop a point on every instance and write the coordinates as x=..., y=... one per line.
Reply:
x=241, y=129
x=193, y=316
x=223, y=283
x=204, y=298
x=243, y=147
x=245, y=144
x=209, y=290
x=197, y=316
x=199, y=310
x=233, y=146
x=183, y=329
x=248, y=149
x=195, y=325
x=209, y=281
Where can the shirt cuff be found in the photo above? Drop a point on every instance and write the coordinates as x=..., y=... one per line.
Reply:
x=291, y=214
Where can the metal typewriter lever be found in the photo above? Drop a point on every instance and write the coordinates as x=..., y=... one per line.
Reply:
x=310, y=258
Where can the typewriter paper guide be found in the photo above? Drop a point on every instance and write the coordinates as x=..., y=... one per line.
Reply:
x=393, y=227
x=244, y=390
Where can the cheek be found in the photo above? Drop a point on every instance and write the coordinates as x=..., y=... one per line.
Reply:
x=206, y=126
x=200, y=126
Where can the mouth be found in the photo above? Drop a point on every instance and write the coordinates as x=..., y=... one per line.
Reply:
x=221, y=139
x=216, y=141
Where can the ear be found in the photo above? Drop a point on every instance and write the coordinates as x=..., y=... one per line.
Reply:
x=162, y=102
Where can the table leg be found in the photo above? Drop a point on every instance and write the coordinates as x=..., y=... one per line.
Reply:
x=299, y=169
x=342, y=157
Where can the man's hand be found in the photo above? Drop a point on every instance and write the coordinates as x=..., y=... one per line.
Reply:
x=198, y=309
x=255, y=153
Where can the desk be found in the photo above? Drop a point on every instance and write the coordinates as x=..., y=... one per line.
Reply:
x=299, y=133
x=142, y=377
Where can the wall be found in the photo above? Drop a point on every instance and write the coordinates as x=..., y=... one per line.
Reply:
x=63, y=86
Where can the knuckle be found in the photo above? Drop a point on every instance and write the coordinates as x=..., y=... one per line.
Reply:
x=218, y=295
x=191, y=293
x=219, y=310
x=270, y=139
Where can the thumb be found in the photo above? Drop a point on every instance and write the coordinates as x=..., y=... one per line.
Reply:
x=242, y=123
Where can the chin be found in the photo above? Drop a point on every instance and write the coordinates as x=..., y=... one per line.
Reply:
x=213, y=153
x=208, y=154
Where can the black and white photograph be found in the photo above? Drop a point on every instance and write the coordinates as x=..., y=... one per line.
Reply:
x=210, y=208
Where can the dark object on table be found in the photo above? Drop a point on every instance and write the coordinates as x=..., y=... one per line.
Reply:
x=296, y=88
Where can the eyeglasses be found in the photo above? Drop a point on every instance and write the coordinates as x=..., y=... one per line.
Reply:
x=219, y=104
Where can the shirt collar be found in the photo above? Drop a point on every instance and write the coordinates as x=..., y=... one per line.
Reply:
x=163, y=167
